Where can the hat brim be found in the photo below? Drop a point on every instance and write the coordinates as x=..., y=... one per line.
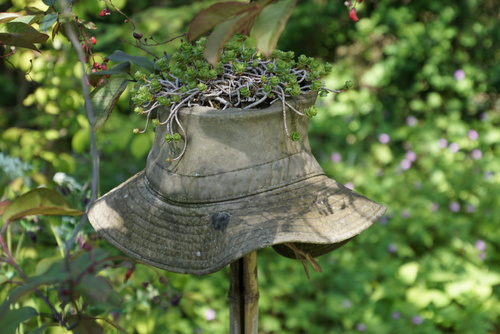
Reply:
x=203, y=238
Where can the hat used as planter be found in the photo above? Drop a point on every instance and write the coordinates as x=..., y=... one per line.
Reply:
x=241, y=185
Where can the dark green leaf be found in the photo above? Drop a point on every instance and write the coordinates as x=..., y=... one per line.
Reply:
x=119, y=56
x=55, y=274
x=224, y=31
x=41, y=201
x=16, y=40
x=85, y=325
x=97, y=291
x=214, y=15
x=24, y=31
x=47, y=21
x=104, y=99
x=270, y=24
x=13, y=318
x=49, y=2
x=118, y=69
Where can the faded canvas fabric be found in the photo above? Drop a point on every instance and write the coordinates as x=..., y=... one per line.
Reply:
x=241, y=185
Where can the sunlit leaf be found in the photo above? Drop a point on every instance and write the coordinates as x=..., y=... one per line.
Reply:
x=214, y=15
x=408, y=272
x=3, y=206
x=270, y=24
x=104, y=99
x=145, y=63
x=7, y=17
x=40, y=201
x=13, y=318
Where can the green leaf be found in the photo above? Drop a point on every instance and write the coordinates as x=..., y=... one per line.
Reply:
x=97, y=291
x=49, y=2
x=3, y=206
x=270, y=24
x=214, y=15
x=223, y=32
x=408, y=272
x=16, y=40
x=145, y=63
x=25, y=31
x=105, y=97
x=13, y=318
x=118, y=69
x=7, y=17
x=40, y=201
x=85, y=324
x=55, y=274
x=47, y=21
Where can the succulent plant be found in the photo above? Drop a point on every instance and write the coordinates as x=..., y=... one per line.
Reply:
x=242, y=79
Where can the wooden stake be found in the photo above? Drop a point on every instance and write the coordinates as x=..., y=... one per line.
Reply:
x=244, y=295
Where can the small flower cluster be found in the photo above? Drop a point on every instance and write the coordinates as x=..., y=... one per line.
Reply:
x=242, y=79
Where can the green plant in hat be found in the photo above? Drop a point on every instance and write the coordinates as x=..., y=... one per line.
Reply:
x=244, y=78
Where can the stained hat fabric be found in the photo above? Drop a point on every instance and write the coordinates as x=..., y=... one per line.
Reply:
x=241, y=185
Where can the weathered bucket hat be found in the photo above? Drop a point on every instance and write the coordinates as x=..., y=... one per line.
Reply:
x=240, y=186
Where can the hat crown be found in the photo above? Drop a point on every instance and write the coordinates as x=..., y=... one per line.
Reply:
x=232, y=153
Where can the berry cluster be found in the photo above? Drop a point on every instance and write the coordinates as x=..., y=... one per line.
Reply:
x=242, y=79
x=352, y=9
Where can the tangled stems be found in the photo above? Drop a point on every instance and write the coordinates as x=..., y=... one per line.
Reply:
x=243, y=79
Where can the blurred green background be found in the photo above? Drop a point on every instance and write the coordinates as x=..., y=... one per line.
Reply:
x=418, y=133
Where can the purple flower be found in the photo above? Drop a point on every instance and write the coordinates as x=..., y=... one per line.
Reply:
x=336, y=157
x=476, y=154
x=470, y=208
x=480, y=245
x=383, y=221
x=210, y=314
x=473, y=135
x=454, y=147
x=396, y=315
x=392, y=248
x=411, y=156
x=361, y=327
x=443, y=143
x=405, y=164
x=459, y=75
x=349, y=185
x=434, y=207
x=411, y=121
x=346, y=303
x=384, y=138
x=405, y=214
x=417, y=320
x=454, y=207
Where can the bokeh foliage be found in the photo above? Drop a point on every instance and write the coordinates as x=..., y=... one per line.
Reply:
x=419, y=133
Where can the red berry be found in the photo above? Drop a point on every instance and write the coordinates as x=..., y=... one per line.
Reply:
x=104, y=12
x=353, y=15
x=137, y=35
x=93, y=40
x=104, y=67
x=360, y=1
